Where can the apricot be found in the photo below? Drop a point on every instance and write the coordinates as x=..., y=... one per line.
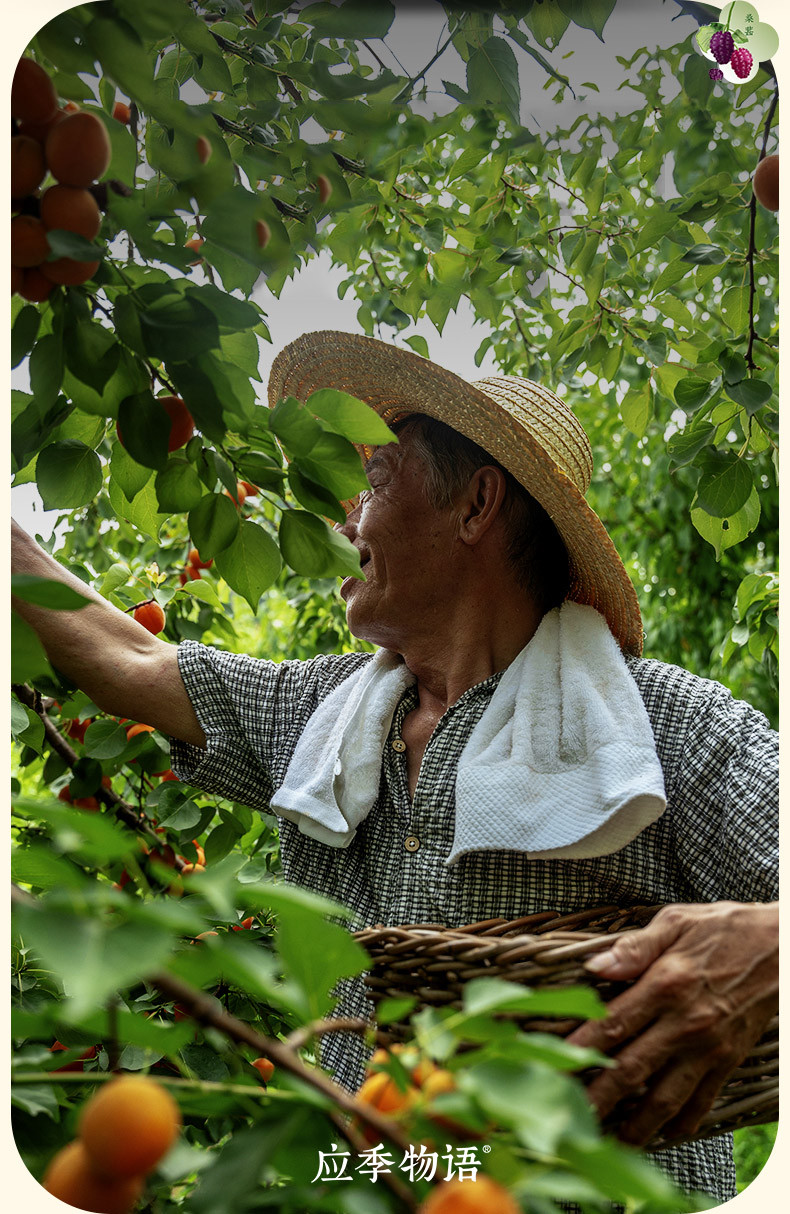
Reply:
x=70, y=209
x=203, y=149
x=121, y=112
x=36, y=287
x=29, y=246
x=40, y=130
x=27, y=166
x=194, y=560
x=78, y=1064
x=766, y=183
x=66, y=272
x=134, y=730
x=71, y=1178
x=194, y=868
x=239, y=497
x=33, y=96
x=262, y=232
x=129, y=1125
x=195, y=245
x=264, y=1067
x=182, y=427
x=245, y=924
x=383, y=1093
x=250, y=489
x=151, y=616
x=480, y=1196
x=17, y=279
x=78, y=149
x=76, y=729
x=324, y=188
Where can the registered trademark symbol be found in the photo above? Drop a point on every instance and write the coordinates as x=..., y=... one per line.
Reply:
x=486, y=1149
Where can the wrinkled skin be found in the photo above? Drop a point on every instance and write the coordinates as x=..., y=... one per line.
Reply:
x=706, y=987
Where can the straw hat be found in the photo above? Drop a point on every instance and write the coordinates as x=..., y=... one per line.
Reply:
x=526, y=427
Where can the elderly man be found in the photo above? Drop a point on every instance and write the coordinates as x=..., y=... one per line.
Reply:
x=506, y=750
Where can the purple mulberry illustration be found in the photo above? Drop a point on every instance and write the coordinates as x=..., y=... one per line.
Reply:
x=741, y=62
x=721, y=46
x=716, y=73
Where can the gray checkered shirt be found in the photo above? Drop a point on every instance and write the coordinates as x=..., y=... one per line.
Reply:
x=717, y=839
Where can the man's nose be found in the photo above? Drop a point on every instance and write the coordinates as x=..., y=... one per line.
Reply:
x=349, y=527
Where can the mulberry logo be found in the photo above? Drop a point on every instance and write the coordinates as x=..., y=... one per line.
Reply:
x=736, y=44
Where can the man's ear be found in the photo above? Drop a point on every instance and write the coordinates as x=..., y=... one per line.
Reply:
x=480, y=503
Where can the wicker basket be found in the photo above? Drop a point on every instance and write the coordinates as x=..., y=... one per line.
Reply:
x=432, y=963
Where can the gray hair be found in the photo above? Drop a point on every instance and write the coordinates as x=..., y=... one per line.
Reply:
x=536, y=553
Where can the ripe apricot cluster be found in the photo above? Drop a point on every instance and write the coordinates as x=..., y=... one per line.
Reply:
x=70, y=146
x=124, y=1131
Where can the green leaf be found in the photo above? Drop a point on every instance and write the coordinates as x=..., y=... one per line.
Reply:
x=750, y=394
x=91, y=958
x=314, y=497
x=654, y=347
x=24, y=333
x=125, y=472
x=46, y=369
x=315, y=954
x=213, y=524
x=250, y=563
x=231, y=313
x=178, y=488
x=693, y=392
x=725, y=485
x=177, y=327
x=492, y=78
x=92, y=352
x=735, y=308
x=635, y=408
x=659, y=222
x=705, y=255
x=105, y=740
x=685, y=446
x=548, y=23
x=69, y=244
x=496, y=994
x=28, y=659
x=68, y=474
x=294, y=425
x=589, y=14
x=46, y=593
x=143, y=512
x=313, y=549
x=353, y=19
x=352, y=418
x=733, y=365
x=144, y=429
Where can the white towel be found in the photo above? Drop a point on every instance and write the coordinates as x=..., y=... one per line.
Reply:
x=561, y=763
x=333, y=778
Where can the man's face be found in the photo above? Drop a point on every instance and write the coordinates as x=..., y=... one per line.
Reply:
x=405, y=547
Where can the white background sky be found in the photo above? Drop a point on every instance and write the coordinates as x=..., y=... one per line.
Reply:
x=310, y=302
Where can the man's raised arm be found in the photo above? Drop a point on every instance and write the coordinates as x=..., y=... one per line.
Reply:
x=123, y=668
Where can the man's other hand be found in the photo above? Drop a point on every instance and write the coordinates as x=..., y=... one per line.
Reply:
x=707, y=986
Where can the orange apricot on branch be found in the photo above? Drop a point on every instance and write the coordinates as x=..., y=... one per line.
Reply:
x=203, y=149
x=195, y=561
x=33, y=96
x=182, y=427
x=29, y=245
x=480, y=1196
x=71, y=209
x=766, y=183
x=66, y=272
x=36, y=287
x=78, y=149
x=189, y=868
x=27, y=166
x=121, y=112
x=129, y=1125
x=136, y=729
x=71, y=1178
x=264, y=1067
x=324, y=188
x=195, y=245
x=262, y=233
x=151, y=616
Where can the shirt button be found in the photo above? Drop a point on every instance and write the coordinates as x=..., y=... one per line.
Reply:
x=411, y=843
x=399, y=745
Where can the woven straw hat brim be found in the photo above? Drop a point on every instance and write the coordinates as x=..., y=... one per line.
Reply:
x=397, y=382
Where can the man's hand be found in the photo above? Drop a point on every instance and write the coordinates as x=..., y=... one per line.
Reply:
x=709, y=985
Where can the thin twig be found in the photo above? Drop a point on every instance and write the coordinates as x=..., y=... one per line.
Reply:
x=409, y=85
x=317, y=1028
